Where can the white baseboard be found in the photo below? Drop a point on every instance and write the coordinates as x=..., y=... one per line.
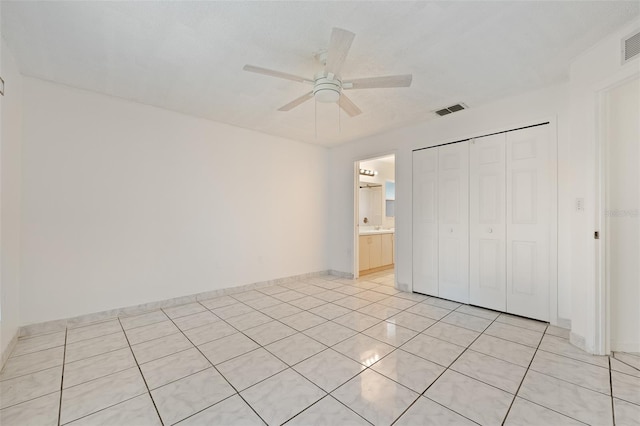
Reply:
x=626, y=346
x=62, y=324
x=7, y=351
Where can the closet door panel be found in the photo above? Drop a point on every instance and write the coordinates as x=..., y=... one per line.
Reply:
x=425, y=221
x=529, y=219
x=487, y=222
x=453, y=221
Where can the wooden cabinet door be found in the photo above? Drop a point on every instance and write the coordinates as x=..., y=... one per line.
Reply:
x=375, y=251
x=363, y=263
x=387, y=249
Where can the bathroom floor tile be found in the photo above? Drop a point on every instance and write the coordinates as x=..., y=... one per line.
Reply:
x=375, y=397
x=42, y=411
x=514, y=334
x=26, y=345
x=154, y=349
x=328, y=369
x=32, y=362
x=170, y=368
x=357, y=321
x=326, y=412
x=303, y=320
x=390, y=333
x=98, y=366
x=364, y=349
x=582, y=404
x=504, y=349
x=195, y=320
x=573, y=371
x=232, y=411
x=425, y=412
x=250, y=368
x=24, y=388
x=490, y=370
x=227, y=347
x=282, y=396
x=409, y=370
x=94, y=330
x=89, y=397
x=137, y=411
x=451, y=333
x=469, y=322
x=411, y=321
x=296, y=348
x=526, y=413
x=470, y=398
x=209, y=332
x=269, y=332
x=191, y=394
x=432, y=349
x=329, y=333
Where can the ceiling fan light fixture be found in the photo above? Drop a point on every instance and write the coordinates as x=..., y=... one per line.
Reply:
x=327, y=90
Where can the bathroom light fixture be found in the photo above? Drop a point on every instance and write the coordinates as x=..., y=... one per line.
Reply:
x=366, y=172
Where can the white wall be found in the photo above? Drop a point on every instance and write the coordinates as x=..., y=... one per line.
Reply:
x=528, y=108
x=125, y=204
x=594, y=71
x=10, y=182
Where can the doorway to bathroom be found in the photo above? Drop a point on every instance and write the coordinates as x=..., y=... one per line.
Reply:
x=375, y=219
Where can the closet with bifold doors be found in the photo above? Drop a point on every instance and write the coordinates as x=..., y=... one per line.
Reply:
x=484, y=221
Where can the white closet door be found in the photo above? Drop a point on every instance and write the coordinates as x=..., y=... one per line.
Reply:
x=487, y=222
x=425, y=221
x=453, y=220
x=529, y=202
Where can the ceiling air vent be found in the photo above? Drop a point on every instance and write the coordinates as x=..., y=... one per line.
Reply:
x=452, y=108
x=630, y=47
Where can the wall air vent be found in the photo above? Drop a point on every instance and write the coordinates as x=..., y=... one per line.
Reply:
x=452, y=108
x=630, y=47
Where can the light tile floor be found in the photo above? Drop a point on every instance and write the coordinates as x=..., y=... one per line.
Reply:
x=322, y=351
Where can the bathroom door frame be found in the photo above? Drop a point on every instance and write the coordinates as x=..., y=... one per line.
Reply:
x=356, y=209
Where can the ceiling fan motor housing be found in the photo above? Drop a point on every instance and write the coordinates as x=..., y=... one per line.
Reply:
x=327, y=89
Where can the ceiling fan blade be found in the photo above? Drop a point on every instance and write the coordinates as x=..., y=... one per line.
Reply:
x=278, y=74
x=379, y=82
x=339, y=46
x=294, y=103
x=348, y=106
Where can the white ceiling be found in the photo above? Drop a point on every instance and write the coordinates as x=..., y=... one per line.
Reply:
x=188, y=56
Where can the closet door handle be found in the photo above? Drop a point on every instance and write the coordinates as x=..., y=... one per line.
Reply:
x=490, y=230
x=450, y=230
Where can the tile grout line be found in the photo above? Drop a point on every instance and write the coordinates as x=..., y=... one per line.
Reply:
x=218, y=371
x=142, y=375
x=64, y=353
x=523, y=377
x=613, y=407
x=446, y=368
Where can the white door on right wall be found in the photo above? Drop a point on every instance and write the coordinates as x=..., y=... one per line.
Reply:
x=530, y=177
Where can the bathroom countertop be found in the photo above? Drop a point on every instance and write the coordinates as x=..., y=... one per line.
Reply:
x=376, y=231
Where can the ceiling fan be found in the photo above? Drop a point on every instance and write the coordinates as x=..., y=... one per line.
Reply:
x=328, y=85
